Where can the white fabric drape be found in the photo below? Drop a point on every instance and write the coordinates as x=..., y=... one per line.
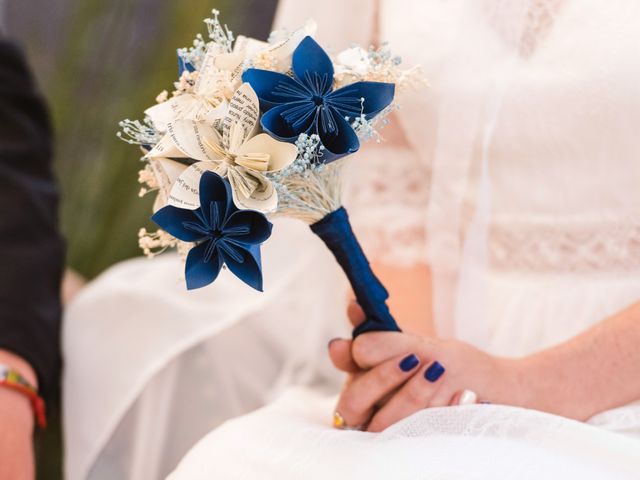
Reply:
x=151, y=367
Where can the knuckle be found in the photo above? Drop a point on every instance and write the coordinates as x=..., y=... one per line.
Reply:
x=385, y=374
x=350, y=407
x=361, y=350
x=416, y=394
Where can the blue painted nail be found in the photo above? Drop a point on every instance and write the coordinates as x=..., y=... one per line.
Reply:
x=434, y=372
x=409, y=363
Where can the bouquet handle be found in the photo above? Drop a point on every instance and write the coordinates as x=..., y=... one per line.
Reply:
x=336, y=232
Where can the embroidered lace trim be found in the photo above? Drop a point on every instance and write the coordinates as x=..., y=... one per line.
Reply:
x=571, y=247
x=387, y=196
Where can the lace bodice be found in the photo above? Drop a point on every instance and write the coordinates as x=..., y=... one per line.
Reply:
x=387, y=196
x=549, y=106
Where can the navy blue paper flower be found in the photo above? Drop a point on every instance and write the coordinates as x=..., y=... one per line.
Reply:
x=223, y=234
x=308, y=104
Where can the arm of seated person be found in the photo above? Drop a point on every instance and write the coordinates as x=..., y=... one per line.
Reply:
x=16, y=424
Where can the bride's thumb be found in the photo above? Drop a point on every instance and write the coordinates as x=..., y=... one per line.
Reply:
x=340, y=354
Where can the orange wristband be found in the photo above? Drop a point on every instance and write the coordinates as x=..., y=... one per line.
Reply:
x=11, y=379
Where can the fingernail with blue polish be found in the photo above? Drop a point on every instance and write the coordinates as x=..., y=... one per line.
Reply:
x=409, y=363
x=434, y=372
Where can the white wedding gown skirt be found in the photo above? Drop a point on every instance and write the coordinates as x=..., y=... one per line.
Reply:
x=151, y=367
x=292, y=438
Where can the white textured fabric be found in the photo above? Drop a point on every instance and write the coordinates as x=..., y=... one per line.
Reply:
x=468, y=442
x=517, y=183
x=527, y=137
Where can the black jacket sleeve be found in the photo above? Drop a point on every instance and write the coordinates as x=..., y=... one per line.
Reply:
x=31, y=249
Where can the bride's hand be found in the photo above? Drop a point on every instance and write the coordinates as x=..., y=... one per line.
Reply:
x=393, y=375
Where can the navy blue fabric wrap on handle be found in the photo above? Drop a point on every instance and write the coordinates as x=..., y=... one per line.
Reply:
x=335, y=231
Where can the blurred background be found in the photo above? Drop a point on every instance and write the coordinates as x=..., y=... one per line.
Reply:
x=98, y=62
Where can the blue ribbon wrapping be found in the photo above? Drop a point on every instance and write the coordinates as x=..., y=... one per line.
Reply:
x=335, y=231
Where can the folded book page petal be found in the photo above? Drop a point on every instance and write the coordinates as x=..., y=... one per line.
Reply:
x=281, y=52
x=195, y=139
x=251, y=190
x=243, y=180
x=169, y=111
x=244, y=49
x=166, y=172
x=208, y=111
x=279, y=154
x=166, y=148
x=185, y=192
x=241, y=120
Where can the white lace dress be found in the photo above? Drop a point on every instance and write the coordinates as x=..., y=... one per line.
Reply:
x=516, y=181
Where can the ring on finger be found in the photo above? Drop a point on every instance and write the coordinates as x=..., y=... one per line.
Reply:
x=341, y=424
x=468, y=397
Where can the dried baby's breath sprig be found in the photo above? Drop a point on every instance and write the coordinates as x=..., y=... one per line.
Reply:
x=186, y=83
x=162, y=97
x=368, y=129
x=265, y=61
x=195, y=54
x=136, y=132
x=308, y=189
x=147, y=178
x=219, y=34
x=154, y=243
x=376, y=65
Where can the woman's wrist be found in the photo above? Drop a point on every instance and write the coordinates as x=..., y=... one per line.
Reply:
x=541, y=382
x=516, y=386
x=16, y=411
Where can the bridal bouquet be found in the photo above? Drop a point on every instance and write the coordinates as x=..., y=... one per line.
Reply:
x=255, y=128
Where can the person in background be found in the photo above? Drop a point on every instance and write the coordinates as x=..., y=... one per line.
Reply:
x=31, y=263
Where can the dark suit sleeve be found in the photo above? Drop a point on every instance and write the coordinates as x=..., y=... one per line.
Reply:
x=31, y=249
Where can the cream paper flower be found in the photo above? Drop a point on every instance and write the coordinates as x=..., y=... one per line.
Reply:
x=207, y=102
x=237, y=154
x=275, y=56
x=220, y=75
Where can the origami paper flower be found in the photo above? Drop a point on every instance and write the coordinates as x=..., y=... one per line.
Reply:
x=222, y=233
x=308, y=104
x=206, y=101
x=236, y=154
